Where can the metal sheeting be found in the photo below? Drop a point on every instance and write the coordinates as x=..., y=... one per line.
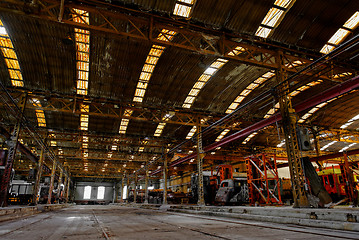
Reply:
x=45, y=60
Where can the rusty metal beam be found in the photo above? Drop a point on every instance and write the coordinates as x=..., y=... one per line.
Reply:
x=115, y=109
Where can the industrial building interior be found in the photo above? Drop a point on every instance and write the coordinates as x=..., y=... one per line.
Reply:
x=179, y=119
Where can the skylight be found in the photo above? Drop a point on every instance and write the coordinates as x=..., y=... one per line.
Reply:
x=84, y=117
x=313, y=110
x=125, y=121
x=183, y=8
x=293, y=94
x=351, y=121
x=82, y=39
x=10, y=58
x=202, y=80
x=274, y=17
x=341, y=33
x=347, y=147
x=223, y=133
x=40, y=115
x=249, y=138
x=248, y=90
x=159, y=129
x=84, y=123
x=150, y=64
x=191, y=132
x=327, y=145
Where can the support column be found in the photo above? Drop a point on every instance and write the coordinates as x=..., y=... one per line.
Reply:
x=67, y=190
x=128, y=189
x=200, y=156
x=115, y=199
x=53, y=170
x=146, y=184
x=350, y=184
x=59, y=186
x=35, y=193
x=135, y=190
x=289, y=124
x=317, y=147
x=164, y=178
x=12, y=143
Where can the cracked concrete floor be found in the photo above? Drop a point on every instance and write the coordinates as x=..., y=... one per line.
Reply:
x=118, y=222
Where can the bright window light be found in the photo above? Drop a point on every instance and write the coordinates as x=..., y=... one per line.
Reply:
x=191, y=132
x=3, y=31
x=249, y=138
x=353, y=21
x=338, y=36
x=292, y=94
x=101, y=192
x=87, y=192
x=208, y=73
x=10, y=56
x=341, y=33
x=82, y=40
x=124, y=192
x=327, y=145
x=223, y=133
x=183, y=8
x=347, y=147
x=248, y=90
x=273, y=17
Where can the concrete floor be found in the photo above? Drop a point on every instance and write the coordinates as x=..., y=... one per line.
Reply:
x=118, y=222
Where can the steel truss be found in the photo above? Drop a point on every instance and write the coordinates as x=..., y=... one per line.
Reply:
x=116, y=110
x=263, y=181
x=340, y=135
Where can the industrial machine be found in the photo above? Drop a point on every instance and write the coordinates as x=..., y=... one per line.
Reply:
x=232, y=191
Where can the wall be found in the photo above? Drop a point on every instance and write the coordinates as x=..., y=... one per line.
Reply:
x=80, y=188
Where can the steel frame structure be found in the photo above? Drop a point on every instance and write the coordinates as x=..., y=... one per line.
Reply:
x=116, y=110
x=261, y=171
x=140, y=26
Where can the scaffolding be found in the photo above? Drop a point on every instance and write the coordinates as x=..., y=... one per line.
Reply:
x=263, y=181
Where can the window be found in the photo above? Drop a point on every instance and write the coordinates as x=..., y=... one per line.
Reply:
x=124, y=194
x=87, y=192
x=101, y=192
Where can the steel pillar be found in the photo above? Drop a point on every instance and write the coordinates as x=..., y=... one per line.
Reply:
x=59, y=186
x=51, y=182
x=67, y=190
x=128, y=188
x=12, y=143
x=36, y=188
x=349, y=182
x=135, y=190
x=200, y=156
x=115, y=199
x=164, y=178
x=289, y=125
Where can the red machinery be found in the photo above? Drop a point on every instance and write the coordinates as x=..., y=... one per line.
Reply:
x=263, y=180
